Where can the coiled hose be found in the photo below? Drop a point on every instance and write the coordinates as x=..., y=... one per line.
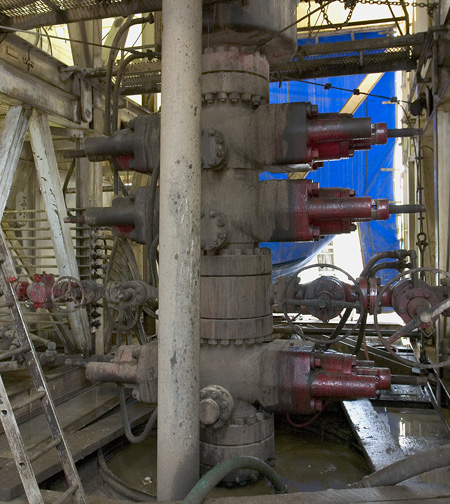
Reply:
x=217, y=473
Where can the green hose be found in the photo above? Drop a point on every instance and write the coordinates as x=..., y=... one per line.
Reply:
x=217, y=473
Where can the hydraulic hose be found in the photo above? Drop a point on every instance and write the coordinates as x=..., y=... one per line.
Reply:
x=118, y=485
x=116, y=92
x=341, y=324
x=394, y=254
x=361, y=334
x=152, y=238
x=217, y=473
x=109, y=67
x=126, y=422
x=398, y=265
x=406, y=468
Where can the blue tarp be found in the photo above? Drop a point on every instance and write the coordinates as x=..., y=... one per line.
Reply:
x=370, y=173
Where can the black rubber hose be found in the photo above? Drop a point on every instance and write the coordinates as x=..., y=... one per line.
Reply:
x=118, y=485
x=67, y=179
x=150, y=246
x=340, y=325
x=389, y=254
x=398, y=265
x=406, y=468
x=362, y=330
x=126, y=422
x=109, y=66
x=116, y=93
x=217, y=473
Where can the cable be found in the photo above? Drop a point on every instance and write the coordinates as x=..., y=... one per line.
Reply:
x=419, y=184
x=308, y=422
x=67, y=179
x=322, y=6
x=126, y=421
x=356, y=91
x=65, y=39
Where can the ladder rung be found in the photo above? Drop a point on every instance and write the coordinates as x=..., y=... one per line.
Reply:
x=16, y=351
x=28, y=400
x=52, y=444
x=70, y=491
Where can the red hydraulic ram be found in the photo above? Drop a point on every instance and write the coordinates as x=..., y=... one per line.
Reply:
x=299, y=210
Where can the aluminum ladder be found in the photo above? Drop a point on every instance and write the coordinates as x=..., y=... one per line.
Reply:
x=26, y=349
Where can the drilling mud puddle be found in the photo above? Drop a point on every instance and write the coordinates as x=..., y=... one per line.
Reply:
x=415, y=429
x=307, y=461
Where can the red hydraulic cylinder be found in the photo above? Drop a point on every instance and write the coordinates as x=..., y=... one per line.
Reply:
x=364, y=208
x=301, y=211
x=344, y=128
x=305, y=380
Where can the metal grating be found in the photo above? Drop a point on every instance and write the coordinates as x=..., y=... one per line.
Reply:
x=144, y=81
x=382, y=54
x=26, y=14
x=347, y=63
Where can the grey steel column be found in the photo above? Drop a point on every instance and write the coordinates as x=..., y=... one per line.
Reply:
x=179, y=295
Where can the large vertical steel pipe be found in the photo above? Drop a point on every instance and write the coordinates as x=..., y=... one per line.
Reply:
x=179, y=299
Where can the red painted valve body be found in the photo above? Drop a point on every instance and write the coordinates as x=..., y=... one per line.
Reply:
x=310, y=379
x=313, y=212
x=39, y=292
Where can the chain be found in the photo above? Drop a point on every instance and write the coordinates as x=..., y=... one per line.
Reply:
x=395, y=2
x=349, y=4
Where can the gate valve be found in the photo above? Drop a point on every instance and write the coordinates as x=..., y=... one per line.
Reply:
x=39, y=291
x=130, y=294
x=409, y=302
x=325, y=297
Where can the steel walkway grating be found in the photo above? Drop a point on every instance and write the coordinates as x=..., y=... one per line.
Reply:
x=347, y=63
x=27, y=14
